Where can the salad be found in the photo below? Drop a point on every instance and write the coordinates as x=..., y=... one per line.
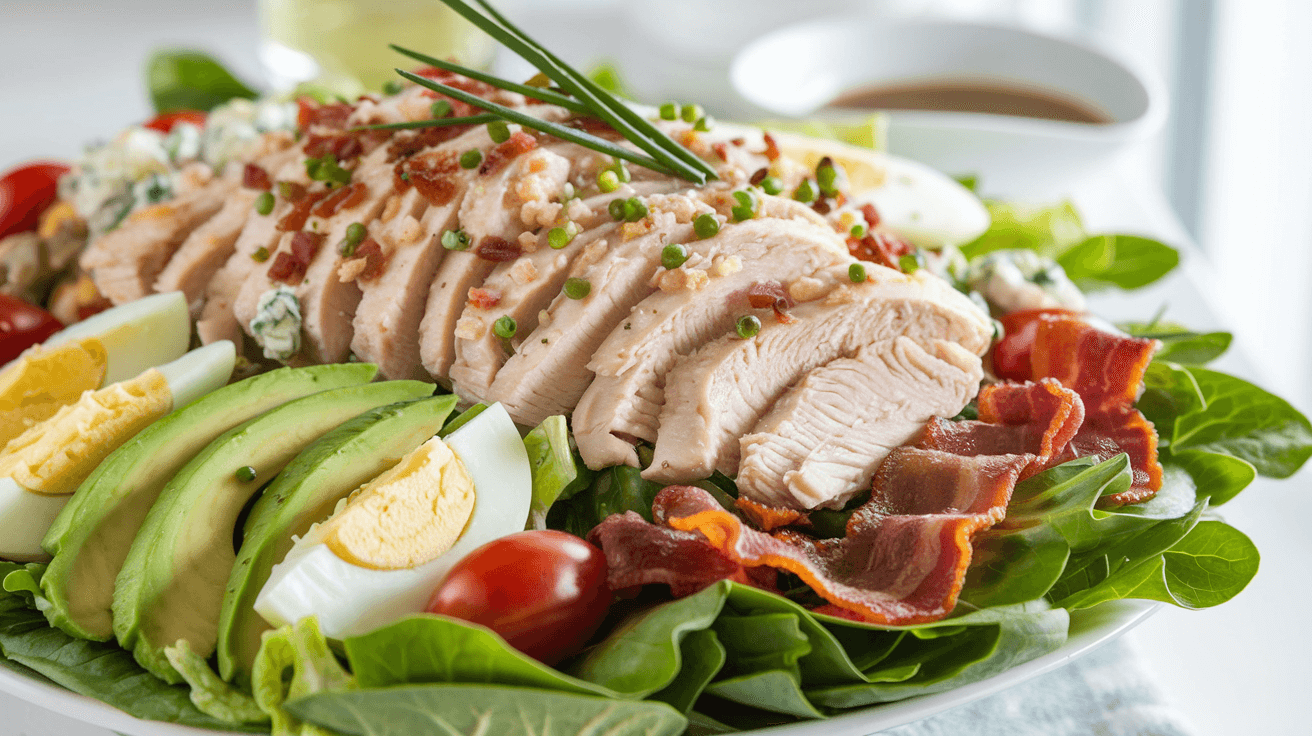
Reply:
x=520, y=407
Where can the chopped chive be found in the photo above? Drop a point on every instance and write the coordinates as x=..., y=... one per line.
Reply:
x=705, y=225
x=355, y=234
x=858, y=230
x=748, y=326
x=703, y=123
x=505, y=327
x=455, y=240
x=393, y=87
x=559, y=237
x=608, y=181
x=260, y=255
x=690, y=113
x=471, y=159
x=805, y=192
x=669, y=111
x=326, y=169
x=616, y=209
x=673, y=256
x=440, y=109
x=911, y=262
x=264, y=203
x=634, y=209
x=746, y=207
x=246, y=474
x=856, y=273
x=826, y=176
x=577, y=288
x=772, y=185
x=498, y=131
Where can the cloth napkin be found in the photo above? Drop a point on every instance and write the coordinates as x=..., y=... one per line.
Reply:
x=1105, y=693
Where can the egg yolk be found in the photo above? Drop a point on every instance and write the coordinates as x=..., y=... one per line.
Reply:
x=55, y=456
x=407, y=516
x=40, y=381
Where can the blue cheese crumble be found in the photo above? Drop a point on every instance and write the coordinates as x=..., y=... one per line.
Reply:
x=277, y=323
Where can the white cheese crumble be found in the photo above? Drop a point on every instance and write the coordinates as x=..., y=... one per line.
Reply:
x=277, y=323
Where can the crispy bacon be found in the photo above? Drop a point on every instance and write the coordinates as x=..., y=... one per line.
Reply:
x=451, y=79
x=287, y=269
x=255, y=177
x=769, y=517
x=343, y=198
x=305, y=246
x=292, y=191
x=771, y=294
x=497, y=250
x=759, y=176
x=871, y=214
x=408, y=144
x=595, y=126
x=721, y=149
x=771, y=147
x=432, y=173
x=501, y=154
x=310, y=113
x=375, y=260
x=300, y=212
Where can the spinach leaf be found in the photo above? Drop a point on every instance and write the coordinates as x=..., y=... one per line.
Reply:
x=1246, y=422
x=612, y=491
x=1123, y=261
x=827, y=663
x=643, y=654
x=406, y=710
x=703, y=658
x=768, y=641
x=1181, y=344
x=425, y=648
x=700, y=724
x=553, y=463
x=1217, y=477
x=1048, y=230
x=180, y=79
x=99, y=670
x=776, y=691
x=1170, y=390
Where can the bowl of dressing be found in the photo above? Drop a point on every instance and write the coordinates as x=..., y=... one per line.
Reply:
x=1023, y=110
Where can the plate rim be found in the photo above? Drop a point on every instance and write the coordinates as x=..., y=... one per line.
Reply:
x=1089, y=629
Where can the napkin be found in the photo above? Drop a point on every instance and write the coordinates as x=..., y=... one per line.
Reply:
x=1106, y=693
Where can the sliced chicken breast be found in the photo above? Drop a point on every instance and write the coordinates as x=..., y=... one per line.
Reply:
x=821, y=444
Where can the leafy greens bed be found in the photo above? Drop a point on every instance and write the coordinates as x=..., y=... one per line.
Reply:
x=735, y=657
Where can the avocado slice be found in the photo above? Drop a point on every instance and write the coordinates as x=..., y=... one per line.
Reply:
x=172, y=582
x=90, y=539
x=305, y=493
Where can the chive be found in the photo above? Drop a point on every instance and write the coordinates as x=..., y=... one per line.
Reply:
x=705, y=226
x=471, y=159
x=608, y=181
x=602, y=103
x=772, y=185
x=246, y=474
x=559, y=237
x=858, y=230
x=440, y=109
x=673, y=256
x=669, y=111
x=805, y=192
x=528, y=90
x=260, y=255
x=264, y=203
x=505, y=327
x=748, y=326
x=703, y=123
x=393, y=87
x=355, y=234
x=455, y=240
x=435, y=123
x=616, y=209
x=911, y=262
x=577, y=288
x=498, y=131
x=690, y=113
x=634, y=209
x=856, y=273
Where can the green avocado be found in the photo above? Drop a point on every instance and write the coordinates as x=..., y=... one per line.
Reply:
x=91, y=537
x=172, y=582
x=305, y=493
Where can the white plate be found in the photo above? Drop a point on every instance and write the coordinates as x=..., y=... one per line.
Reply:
x=1089, y=630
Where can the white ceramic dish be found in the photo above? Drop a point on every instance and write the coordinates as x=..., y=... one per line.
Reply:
x=797, y=70
x=1089, y=630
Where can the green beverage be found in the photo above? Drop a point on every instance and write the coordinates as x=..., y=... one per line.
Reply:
x=343, y=43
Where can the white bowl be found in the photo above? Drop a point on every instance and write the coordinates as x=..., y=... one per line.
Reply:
x=798, y=70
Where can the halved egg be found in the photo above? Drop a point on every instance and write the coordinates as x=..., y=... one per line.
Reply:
x=383, y=553
x=41, y=468
x=137, y=335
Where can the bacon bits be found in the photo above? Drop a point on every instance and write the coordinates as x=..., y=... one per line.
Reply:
x=484, y=298
x=255, y=177
x=296, y=218
x=433, y=174
x=771, y=147
x=289, y=266
x=342, y=199
x=501, y=154
x=497, y=250
x=310, y=113
x=375, y=261
x=771, y=294
x=882, y=248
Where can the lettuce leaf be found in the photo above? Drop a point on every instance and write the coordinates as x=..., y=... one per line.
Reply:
x=209, y=692
x=1120, y=261
x=1181, y=344
x=555, y=466
x=302, y=649
x=1049, y=230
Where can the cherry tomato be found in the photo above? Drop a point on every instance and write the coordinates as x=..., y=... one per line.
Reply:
x=1011, y=356
x=165, y=122
x=544, y=592
x=25, y=193
x=23, y=325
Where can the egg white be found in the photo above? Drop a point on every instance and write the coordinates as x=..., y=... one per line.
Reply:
x=26, y=516
x=137, y=335
x=350, y=600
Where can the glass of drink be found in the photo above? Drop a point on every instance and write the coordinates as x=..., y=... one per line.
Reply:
x=343, y=44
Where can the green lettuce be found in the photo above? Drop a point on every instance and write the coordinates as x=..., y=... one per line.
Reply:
x=302, y=651
x=557, y=471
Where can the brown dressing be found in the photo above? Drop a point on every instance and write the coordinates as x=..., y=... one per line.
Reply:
x=992, y=98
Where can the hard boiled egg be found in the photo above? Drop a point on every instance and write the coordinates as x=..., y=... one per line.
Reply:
x=137, y=335
x=41, y=468
x=372, y=561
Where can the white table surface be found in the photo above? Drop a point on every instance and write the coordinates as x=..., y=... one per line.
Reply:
x=72, y=73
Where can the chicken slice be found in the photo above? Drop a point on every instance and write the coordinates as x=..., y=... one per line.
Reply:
x=623, y=403
x=819, y=445
x=717, y=394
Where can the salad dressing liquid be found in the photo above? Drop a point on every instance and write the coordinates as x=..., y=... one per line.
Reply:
x=992, y=98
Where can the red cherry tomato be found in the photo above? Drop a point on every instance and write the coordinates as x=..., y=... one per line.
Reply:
x=1011, y=356
x=23, y=325
x=544, y=592
x=165, y=122
x=25, y=193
